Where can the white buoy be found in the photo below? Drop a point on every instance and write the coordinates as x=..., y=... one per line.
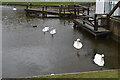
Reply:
x=53, y=31
x=14, y=8
x=45, y=29
x=99, y=59
x=77, y=44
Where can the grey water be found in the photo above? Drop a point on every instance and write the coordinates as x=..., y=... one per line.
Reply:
x=27, y=51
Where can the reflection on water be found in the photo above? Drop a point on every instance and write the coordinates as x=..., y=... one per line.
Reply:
x=27, y=51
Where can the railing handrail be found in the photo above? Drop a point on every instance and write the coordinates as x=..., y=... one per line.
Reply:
x=114, y=8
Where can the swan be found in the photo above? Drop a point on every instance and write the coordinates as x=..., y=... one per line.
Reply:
x=53, y=31
x=77, y=44
x=14, y=8
x=52, y=74
x=99, y=59
x=45, y=29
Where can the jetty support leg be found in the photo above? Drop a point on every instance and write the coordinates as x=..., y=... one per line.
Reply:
x=74, y=25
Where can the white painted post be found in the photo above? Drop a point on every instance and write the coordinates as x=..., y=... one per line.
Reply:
x=100, y=5
x=104, y=7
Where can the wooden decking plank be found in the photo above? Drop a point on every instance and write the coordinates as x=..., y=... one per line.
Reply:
x=47, y=11
x=101, y=31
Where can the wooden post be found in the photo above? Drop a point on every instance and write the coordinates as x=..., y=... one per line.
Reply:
x=64, y=10
x=27, y=6
x=83, y=17
x=83, y=10
x=74, y=12
x=45, y=7
x=83, y=20
x=96, y=23
x=74, y=25
x=30, y=5
x=78, y=11
x=107, y=21
x=88, y=11
x=68, y=7
x=43, y=13
x=42, y=8
x=60, y=10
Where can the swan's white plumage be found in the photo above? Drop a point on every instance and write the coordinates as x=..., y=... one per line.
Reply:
x=77, y=44
x=45, y=29
x=52, y=74
x=53, y=31
x=14, y=9
x=98, y=59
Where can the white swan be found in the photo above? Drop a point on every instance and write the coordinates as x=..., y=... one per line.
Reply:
x=77, y=44
x=45, y=29
x=14, y=8
x=53, y=31
x=99, y=59
x=52, y=74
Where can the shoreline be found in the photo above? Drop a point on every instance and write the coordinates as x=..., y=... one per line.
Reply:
x=114, y=73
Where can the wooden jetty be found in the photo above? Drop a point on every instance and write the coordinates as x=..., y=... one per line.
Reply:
x=94, y=24
x=97, y=25
x=32, y=10
x=99, y=32
x=61, y=10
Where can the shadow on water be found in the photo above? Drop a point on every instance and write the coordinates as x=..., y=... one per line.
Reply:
x=27, y=51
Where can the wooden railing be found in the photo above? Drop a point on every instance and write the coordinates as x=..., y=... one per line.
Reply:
x=97, y=17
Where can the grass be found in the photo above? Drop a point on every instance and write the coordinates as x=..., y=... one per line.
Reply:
x=47, y=3
x=110, y=74
x=98, y=74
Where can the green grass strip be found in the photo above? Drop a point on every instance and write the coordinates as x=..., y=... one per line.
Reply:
x=47, y=3
x=97, y=74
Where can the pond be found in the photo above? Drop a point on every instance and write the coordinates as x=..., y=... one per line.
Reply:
x=27, y=51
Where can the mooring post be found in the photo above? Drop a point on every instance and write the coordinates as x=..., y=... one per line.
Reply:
x=87, y=11
x=27, y=6
x=68, y=7
x=64, y=10
x=30, y=5
x=83, y=11
x=60, y=10
x=96, y=23
x=74, y=11
x=45, y=7
x=74, y=25
x=107, y=27
x=78, y=11
x=43, y=13
x=83, y=16
x=42, y=8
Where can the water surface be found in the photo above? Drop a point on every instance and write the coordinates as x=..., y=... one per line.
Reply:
x=27, y=51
